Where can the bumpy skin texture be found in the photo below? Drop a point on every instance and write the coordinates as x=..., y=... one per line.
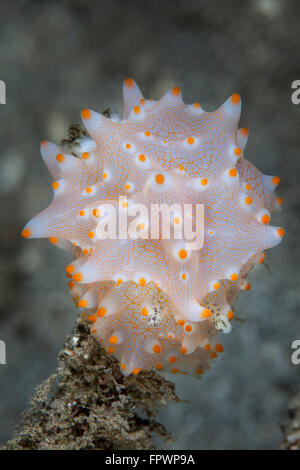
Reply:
x=154, y=303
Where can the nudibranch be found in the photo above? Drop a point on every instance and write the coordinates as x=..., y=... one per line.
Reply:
x=155, y=303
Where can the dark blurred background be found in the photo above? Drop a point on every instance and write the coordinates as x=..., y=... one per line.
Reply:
x=58, y=57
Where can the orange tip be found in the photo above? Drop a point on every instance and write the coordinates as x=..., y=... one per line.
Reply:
x=82, y=303
x=279, y=200
x=101, y=312
x=176, y=91
x=86, y=114
x=70, y=269
x=172, y=359
x=113, y=339
x=244, y=131
x=275, y=180
x=281, y=232
x=136, y=371
x=144, y=311
x=182, y=254
x=60, y=157
x=92, y=318
x=230, y=315
x=77, y=277
x=129, y=82
x=26, y=233
x=159, y=179
x=265, y=219
x=206, y=313
x=96, y=213
x=235, y=99
x=219, y=348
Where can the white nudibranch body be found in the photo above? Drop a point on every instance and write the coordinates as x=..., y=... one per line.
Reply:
x=153, y=303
